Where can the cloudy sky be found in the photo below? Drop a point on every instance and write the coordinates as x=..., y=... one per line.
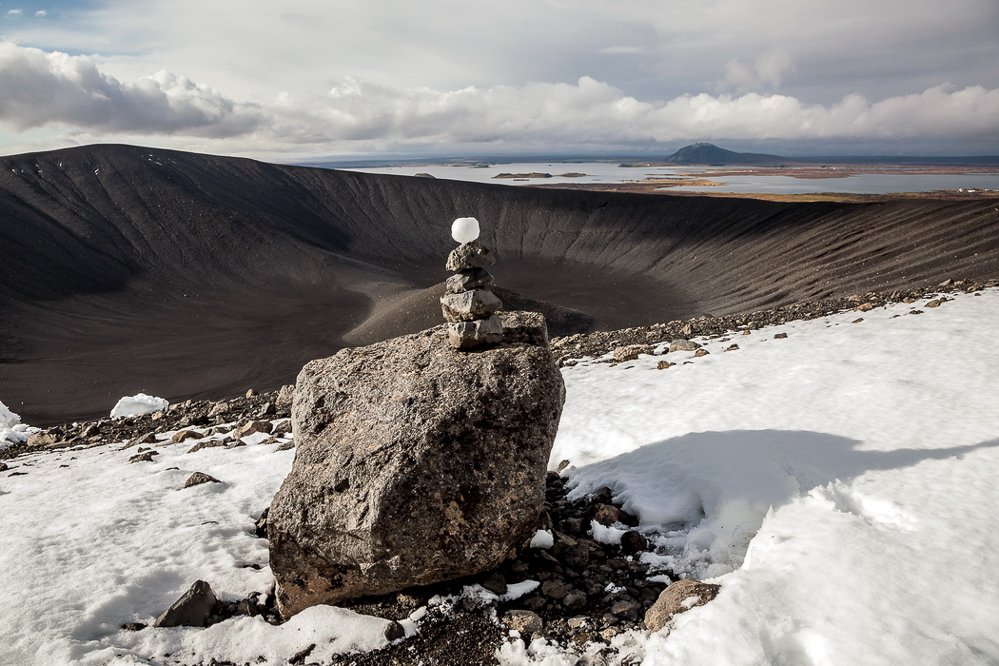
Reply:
x=309, y=78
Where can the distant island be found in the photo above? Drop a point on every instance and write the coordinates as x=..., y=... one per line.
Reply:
x=711, y=155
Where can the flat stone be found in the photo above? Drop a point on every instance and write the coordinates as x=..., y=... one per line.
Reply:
x=475, y=278
x=470, y=305
x=683, y=345
x=468, y=256
x=184, y=435
x=471, y=334
x=630, y=352
x=251, y=428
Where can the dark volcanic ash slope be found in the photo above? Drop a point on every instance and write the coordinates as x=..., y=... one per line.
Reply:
x=128, y=269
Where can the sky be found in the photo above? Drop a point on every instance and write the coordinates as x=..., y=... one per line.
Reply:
x=306, y=79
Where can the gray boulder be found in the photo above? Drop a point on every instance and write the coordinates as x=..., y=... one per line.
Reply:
x=416, y=463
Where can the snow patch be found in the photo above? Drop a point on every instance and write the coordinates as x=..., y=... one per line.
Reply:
x=138, y=404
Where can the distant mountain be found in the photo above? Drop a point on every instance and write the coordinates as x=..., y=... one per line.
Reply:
x=706, y=153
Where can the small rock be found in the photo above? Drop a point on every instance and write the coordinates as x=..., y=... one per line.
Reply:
x=526, y=622
x=41, y=439
x=302, y=655
x=198, y=478
x=251, y=393
x=633, y=542
x=683, y=345
x=701, y=352
x=780, y=336
x=268, y=409
x=207, y=444
x=147, y=438
x=468, y=280
x=864, y=307
x=631, y=352
x=394, y=631
x=218, y=409
x=553, y=589
x=574, y=600
x=662, y=365
x=679, y=597
x=251, y=428
x=183, y=435
x=470, y=305
x=495, y=583
x=857, y=321
x=732, y=348
x=626, y=608
x=133, y=626
x=608, y=514
x=144, y=457
x=468, y=256
x=260, y=527
x=935, y=303
x=192, y=609
x=285, y=397
x=3, y=467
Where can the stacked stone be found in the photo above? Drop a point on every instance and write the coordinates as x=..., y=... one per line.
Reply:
x=469, y=304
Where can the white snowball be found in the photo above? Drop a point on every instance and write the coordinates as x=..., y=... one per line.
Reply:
x=138, y=404
x=465, y=229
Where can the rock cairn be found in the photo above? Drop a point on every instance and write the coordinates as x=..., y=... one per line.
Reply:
x=469, y=304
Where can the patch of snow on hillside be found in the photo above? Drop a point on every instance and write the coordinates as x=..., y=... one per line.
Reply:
x=12, y=431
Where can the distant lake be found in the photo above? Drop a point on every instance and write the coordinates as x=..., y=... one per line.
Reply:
x=602, y=172
x=863, y=183
x=596, y=172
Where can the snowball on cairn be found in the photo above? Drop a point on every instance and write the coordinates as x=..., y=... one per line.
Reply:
x=469, y=305
x=465, y=229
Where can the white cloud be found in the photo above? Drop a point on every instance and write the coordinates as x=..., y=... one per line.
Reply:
x=359, y=116
x=41, y=12
x=14, y=12
x=40, y=88
x=622, y=50
x=766, y=72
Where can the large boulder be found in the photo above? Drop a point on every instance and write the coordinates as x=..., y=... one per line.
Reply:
x=415, y=463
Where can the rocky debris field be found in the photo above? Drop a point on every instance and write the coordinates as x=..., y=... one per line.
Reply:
x=586, y=593
x=569, y=349
x=195, y=418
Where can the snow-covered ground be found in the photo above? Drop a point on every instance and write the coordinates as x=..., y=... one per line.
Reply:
x=838, y=484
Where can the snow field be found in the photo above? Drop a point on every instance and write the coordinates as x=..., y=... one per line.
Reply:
x=838, y=484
